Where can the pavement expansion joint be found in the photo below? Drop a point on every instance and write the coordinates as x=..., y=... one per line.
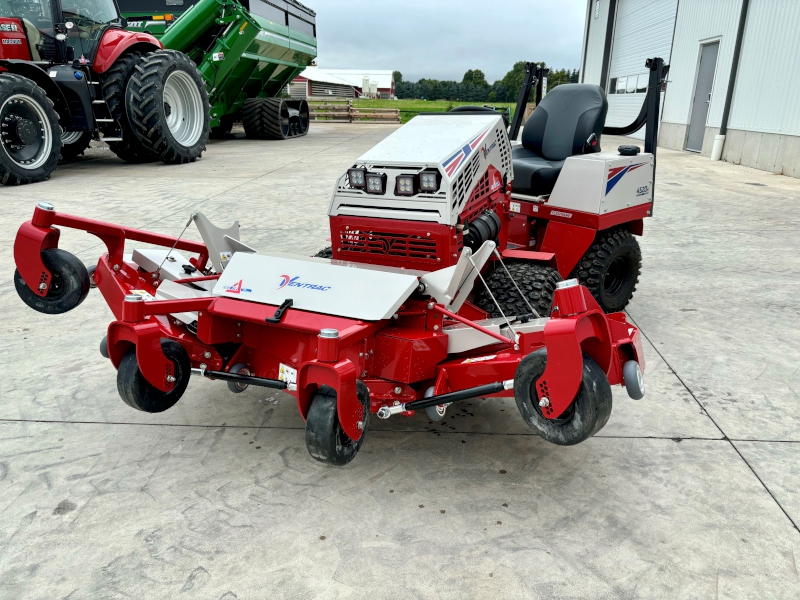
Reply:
x=705, y=412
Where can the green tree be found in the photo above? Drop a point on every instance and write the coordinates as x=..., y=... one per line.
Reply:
x=398, y=77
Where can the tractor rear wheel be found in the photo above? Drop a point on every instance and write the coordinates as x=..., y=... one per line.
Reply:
x=325, y=253
x=266, y=119
x=138, y=393
x=113, y=83
x=610, y=269
x=69, y=285
x=73, y=144
x=325, y=439
x=536, y=281
x=586, y=416
x=30, y=136
x=168, y=107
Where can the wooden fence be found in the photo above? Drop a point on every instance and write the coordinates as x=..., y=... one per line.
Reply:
x=341, y=110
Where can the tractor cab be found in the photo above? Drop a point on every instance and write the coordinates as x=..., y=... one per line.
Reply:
x=60, y=32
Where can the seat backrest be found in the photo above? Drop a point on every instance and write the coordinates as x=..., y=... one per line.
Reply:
x=564, y=120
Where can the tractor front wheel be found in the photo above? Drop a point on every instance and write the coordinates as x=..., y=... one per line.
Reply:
x=138, y=393
x=69, y=285
x=30, y=136
x=168, y=107
x=587, y=414
x=610, y=269
x=325, y=439
x=536, y=281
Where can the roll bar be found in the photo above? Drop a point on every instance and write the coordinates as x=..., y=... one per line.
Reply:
x=534, y=75
x=651, y=107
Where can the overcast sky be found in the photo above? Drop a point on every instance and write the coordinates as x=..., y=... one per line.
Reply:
x=441, y=39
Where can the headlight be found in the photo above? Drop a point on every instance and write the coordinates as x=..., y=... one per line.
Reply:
x=357, y=177
x=376, y=183
x=405, y=185
x=429, y=181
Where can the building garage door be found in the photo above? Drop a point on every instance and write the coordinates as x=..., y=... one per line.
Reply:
x=642, y=29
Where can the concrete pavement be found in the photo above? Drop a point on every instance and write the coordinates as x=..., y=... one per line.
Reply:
x=691, y=492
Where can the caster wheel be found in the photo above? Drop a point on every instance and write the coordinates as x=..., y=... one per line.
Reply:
x=90, y=271
x=235, y=386
x=436, y=413
x=104, y=347
x=68, y=287
x=634, y=380
x=137, y=392
x=325, y=440
x=587, y=414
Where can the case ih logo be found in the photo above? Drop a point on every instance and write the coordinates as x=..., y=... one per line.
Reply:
x=8, y=27
x=237, y=288
x=288, y=281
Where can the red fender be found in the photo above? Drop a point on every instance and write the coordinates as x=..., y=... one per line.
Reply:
x=28, y=246
x=153, y=364
x=341, y=377
x=568, y=242
x=566, y=339
x=117, y=41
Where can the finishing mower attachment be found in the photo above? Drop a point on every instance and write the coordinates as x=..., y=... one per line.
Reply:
x=344, y=340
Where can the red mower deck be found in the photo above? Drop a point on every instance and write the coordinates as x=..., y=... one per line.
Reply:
x=306, y=325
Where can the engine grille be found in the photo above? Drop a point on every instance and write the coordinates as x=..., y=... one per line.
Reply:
x=395, y=245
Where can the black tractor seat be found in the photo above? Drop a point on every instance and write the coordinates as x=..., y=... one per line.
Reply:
x=559, y=128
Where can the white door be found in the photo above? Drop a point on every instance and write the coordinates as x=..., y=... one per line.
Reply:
x=643, y=29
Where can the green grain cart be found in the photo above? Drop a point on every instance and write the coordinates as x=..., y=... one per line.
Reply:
x=246, y=50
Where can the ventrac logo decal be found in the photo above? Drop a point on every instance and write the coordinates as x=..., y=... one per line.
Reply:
x=614, y=175
x=452, y=163
x=486, y=150
x=12, y=42
x=8, y=27
x=289, y=281
x=237, y=288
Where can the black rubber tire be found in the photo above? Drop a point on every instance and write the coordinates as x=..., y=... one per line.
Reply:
x=610, y=269
x=325, y=253
x=137, y=392
x=68, y=288
x=537, y=282
x=586, y=416
x=113, y=83
x=262, y=119
x=236, y=387
x=71, y=152
x=325, y=440
x=224, y=129
x=11, y=173
x=436, y=413
x=144, y=100
x=104, y=347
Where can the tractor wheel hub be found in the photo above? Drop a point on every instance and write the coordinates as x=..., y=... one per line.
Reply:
x=25, y=131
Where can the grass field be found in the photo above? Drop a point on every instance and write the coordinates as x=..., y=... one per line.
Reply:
x=411, y=108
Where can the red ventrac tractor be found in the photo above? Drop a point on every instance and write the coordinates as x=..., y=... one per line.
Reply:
x=347, y=340
x=69, y=73
x=554, y=204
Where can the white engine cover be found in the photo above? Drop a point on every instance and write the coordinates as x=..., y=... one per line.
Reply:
x=604, y=182
x=321, y=287
x=460, y=147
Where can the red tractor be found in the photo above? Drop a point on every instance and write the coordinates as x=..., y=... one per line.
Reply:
x=70, y=73
x=554, y=204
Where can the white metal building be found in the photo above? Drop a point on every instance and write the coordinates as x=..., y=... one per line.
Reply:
x=345, y=83
x=709, y=44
